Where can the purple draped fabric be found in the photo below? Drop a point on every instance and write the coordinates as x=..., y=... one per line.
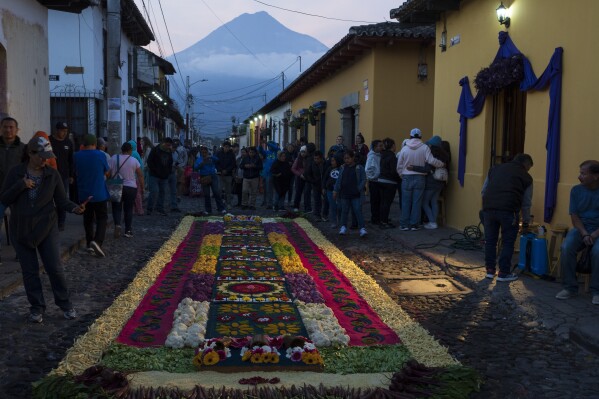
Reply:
x=470, y=107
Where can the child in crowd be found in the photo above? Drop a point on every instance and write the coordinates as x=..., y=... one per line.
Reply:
x=348, y=189
x=282, y=177
x=330, y=178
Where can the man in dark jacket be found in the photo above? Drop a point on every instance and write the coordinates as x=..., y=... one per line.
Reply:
x=62, y=147
x=11, y=151
x=314, y=176
x=506, y=191
x=160, y=165
x=251, y=166
x=225, y=167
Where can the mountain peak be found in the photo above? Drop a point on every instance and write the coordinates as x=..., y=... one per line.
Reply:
x=253, y=33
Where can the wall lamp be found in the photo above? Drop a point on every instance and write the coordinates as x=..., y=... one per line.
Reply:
x=503, y=15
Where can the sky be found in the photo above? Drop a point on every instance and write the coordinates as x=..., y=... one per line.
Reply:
x=189, y=21
x=179, y=24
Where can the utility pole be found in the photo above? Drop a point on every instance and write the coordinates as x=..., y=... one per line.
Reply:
x=113, y=65
x=283, y=79
x=188, y=98
x=187, y=108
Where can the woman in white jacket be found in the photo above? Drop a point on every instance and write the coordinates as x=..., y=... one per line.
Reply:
x=414, y=153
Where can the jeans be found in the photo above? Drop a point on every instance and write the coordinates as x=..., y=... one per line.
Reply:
x=30, y=268
x=430, y=203
x=172, y=188
x=215, y=193
x=569, y=249
x=279, y=200
x=126, y=204
x=2, y=211
x=493, y=221
x=333, y=208
x=268, y=191
x=356, y=206
x=97, y=211
x=249, y=190
x=226, y=184
x=412, y=190
x=157, y=189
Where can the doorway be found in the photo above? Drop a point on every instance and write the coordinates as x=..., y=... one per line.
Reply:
x=508, y=124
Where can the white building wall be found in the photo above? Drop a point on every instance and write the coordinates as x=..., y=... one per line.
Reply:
x=24, y=37
x=75, y=40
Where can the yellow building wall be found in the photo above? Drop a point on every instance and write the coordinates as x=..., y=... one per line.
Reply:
x=537, y=28
x=402, y=101
x=397, y=100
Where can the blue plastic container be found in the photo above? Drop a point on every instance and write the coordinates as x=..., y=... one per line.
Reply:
x=533, y=254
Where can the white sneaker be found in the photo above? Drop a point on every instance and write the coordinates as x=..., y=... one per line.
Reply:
x=363, y=232
x=565, y=294
x=431, y=226
x=343, y=230
x=97, y=249
x=595, y=299
x=295, y=210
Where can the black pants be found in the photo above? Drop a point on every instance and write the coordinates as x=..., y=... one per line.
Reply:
x=374, y=188
x=97, y=211
x=125, y=206
x=387, y=196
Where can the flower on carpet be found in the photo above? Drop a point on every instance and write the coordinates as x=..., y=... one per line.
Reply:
x=321, y=324
x=205, y=264
x=211, y=352
x=189, y=325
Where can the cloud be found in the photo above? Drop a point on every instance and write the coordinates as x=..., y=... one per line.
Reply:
x=263, y=66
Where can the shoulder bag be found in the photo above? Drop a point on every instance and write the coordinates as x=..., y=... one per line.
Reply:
x=115, y=183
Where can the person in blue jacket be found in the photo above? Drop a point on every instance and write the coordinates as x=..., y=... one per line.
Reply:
x=205, y=164
x=269, y=156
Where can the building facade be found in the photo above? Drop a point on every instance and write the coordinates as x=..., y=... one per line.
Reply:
x=549, y=114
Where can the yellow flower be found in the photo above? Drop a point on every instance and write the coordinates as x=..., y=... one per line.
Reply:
x=256, y=358
x=273, y=358
x=246, y=356
x=197, y=360
x=235, y=308
x=211, y=358
x=282, y=329
x=277, y=308
x=235, y=329
x=311, y=358
x=265, y=358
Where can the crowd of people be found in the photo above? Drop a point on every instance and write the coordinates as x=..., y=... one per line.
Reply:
x=43, y=179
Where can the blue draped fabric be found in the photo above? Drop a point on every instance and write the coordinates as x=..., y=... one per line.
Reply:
x=470, y=107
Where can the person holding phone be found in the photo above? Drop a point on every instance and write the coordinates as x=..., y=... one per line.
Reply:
x=34, y=191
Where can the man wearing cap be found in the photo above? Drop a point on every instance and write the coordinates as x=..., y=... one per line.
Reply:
x=34, y=191
x=414, y=153
x=11, y=150
x=63, y=149
x=91, y=168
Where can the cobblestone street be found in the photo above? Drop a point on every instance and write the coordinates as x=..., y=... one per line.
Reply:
x=490, y=328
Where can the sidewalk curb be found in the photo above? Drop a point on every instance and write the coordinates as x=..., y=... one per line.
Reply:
x=585, y=339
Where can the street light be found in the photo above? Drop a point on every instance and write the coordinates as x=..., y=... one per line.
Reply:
x=188, y=103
